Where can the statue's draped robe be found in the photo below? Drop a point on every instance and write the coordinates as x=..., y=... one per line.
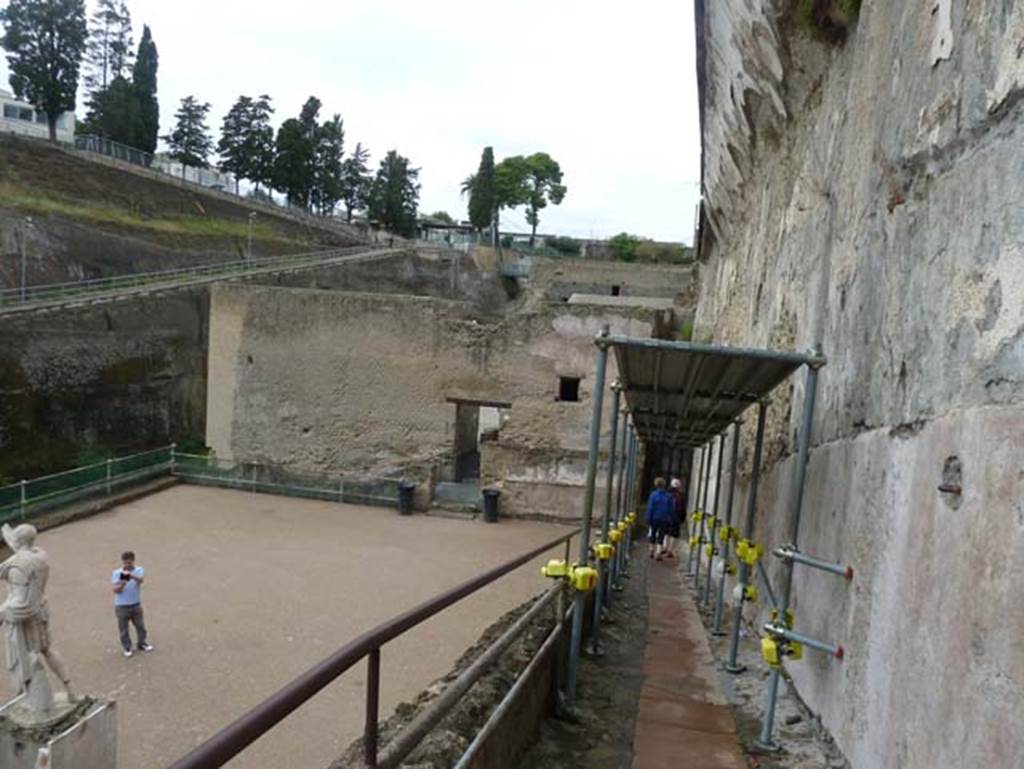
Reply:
x=25, y=614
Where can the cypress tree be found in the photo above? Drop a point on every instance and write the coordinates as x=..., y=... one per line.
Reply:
x=147, y=121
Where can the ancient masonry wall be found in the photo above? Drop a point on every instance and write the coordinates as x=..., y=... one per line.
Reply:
x=862, y=196
x=329, y=382
x=131, y=375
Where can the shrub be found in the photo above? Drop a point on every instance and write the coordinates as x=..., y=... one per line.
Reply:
x=566, y=246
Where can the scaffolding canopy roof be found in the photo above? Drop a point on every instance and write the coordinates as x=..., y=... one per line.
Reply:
x=682, y=394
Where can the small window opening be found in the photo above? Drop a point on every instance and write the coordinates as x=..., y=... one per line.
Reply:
x=616, y=290
x=569, y=388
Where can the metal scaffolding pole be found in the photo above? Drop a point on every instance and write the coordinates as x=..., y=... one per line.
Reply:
x=691, y=531
x=619, y=499
x=602, y=571
x=755, y=476
x=588, y=510
x=799, y=476
x=631, y=496
x=704, y=515
x=720, y=598
x=714, y=519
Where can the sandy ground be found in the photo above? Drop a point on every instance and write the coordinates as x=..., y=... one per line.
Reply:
x=245, y=591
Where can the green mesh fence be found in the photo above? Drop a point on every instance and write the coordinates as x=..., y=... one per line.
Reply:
x=21, y=501
x=207, y=470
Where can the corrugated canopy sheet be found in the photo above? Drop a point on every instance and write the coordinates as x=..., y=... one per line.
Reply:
x=683, y=394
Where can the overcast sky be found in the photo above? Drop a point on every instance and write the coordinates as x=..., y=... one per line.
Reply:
x=607, y=88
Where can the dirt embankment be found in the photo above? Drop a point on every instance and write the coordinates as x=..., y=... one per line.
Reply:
x=78, y=219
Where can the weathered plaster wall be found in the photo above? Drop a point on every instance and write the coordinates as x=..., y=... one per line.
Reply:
x=440, y=273
x=327, y=381
x=558, y=279
x=862, y=198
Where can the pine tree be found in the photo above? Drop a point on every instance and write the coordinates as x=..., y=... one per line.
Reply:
x=543, y=185
x=295, y=159
x=394, y=195
x=190, y=142
x=147, y=127
x=327, y=177
x=114, y=113
x=109, y=51
x=355, y=181
x=261, y=143
x=45, y=41
x=233, y=146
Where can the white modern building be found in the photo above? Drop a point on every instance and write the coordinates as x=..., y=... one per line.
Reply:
x=22, y=118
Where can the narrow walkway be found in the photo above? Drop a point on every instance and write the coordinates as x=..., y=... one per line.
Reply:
x=683, y=720
x=61, y=296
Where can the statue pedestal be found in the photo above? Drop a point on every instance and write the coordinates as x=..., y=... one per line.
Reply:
x=84, y=737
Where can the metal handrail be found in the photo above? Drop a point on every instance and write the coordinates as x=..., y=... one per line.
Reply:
x=80, y=468
x=234, y=738
x=29, y=294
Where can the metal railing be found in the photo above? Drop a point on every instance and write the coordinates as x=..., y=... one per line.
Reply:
x=208, y=470
x=19, y=501
x=237, y=736
x=27, y=498
x=55, y=292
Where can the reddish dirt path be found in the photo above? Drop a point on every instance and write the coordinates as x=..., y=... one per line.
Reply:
x=683, y=719
x=245, y=591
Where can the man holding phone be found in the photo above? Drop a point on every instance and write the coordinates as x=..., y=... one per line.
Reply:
x=127, y=582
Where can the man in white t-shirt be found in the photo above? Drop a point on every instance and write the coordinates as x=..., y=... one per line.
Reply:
x=127, y=582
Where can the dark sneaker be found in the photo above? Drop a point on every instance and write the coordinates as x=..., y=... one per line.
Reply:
x=145, y=648
x=127, y=652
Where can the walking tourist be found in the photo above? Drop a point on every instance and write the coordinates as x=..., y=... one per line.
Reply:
x=660, y=513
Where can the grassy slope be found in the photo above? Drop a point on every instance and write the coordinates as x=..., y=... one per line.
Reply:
x=41, y=180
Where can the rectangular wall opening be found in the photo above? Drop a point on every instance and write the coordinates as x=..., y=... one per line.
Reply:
x=569, y=388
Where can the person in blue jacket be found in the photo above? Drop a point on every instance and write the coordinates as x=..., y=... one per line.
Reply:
x=661, y=511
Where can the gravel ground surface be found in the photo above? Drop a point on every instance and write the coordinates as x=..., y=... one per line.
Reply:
x=245, y=591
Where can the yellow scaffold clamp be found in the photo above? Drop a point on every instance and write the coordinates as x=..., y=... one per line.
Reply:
x=615, y=535
x=710, y=550
x=795, y=650
x=694, y=541
x=604, y=551
x=712, y=522
x=697, y=516
x=750, y=593
x=555, y=569
x=774, y=647
x=726, y=533
x=789, y=618
x=749, y=552
x=631, y=518
x=730, y=568
x=583, y=578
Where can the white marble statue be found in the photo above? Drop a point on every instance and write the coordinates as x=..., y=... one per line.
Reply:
x=26, y=626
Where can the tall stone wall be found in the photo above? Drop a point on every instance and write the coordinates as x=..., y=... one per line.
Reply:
x=130, y=375
x=862, y=179
x=118, y=378
x=325, y=381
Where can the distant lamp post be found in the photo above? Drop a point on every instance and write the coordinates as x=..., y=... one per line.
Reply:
x=248, y=250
